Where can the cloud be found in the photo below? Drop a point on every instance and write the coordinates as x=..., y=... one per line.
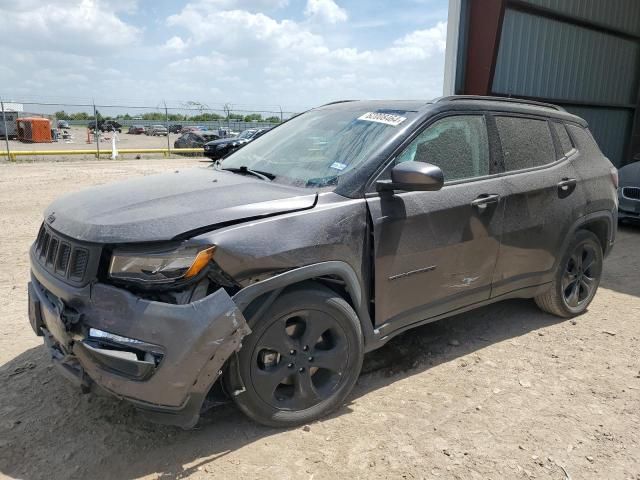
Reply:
x=248, y=5
x=215, y=62
x=325, y=11
x=240, y=51
x=293, y=62
x=175, y=44
x=72, y=26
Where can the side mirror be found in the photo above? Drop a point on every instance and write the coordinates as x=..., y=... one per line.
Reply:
x=413, y=176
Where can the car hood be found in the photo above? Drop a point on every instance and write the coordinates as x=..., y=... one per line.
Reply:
x=171, y=205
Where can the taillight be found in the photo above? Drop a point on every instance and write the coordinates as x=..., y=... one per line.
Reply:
x=614, y=176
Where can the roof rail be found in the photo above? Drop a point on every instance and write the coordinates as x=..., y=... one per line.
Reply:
x=452, y=98
x=337, y=101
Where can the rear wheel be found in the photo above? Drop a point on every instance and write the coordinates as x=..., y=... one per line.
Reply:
x=301, y=360
x=577, y=278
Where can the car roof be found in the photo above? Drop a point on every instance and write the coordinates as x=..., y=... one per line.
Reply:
x=459, y=102
x=346, y=105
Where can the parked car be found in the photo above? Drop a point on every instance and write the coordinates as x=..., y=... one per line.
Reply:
x=105, y=126
x=195, y=139
x=136, y=129
x=157, y=130
x=175, y=128
x=629, y=192
x=267, y=277
x=63, y=125
x=110, y=126
x=226, y=146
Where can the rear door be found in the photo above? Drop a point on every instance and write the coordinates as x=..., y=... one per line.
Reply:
x=543, y=199
x=436, y=251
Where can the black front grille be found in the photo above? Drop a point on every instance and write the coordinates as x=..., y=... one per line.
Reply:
x=79, y=264
x=631, y=192
x=62, y=256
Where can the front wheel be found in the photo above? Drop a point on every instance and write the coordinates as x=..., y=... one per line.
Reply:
x=577, y=277
x=301, y=360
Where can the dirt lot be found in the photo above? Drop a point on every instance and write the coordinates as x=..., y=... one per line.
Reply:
x=502, y=392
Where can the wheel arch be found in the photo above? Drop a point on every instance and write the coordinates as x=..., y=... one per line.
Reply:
x=602, y=224
x=255, y=298
x=601, y=227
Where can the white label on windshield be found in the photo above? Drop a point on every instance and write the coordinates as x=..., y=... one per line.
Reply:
x=386, y=118
x=338, y=166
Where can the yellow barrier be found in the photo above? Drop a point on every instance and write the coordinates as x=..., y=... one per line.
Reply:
x=34, y=153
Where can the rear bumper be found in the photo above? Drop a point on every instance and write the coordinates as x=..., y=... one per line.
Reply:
x=163, y=358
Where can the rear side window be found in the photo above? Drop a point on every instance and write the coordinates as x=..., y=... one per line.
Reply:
x=526, y=142
x=456, y=144
x=563, y=136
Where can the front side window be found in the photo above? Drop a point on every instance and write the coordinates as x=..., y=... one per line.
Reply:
x=458, y=145
x=526, y=142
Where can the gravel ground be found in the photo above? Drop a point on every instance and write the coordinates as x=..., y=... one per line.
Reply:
x=502, y=392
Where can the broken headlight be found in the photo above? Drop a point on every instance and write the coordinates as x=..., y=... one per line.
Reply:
x=161, y=266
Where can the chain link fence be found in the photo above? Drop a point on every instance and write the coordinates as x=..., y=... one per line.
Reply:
x=37, y=129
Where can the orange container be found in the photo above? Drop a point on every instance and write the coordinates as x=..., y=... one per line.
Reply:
x=34, y=130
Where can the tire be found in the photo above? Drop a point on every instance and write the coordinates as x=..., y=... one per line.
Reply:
x=577, y=278
x=281, y=376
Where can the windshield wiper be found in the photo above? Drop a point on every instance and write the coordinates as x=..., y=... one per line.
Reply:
x=243, y=170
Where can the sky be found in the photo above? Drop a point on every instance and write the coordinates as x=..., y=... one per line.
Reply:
x=293, y=54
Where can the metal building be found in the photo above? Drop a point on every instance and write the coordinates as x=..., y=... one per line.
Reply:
x=581, y=54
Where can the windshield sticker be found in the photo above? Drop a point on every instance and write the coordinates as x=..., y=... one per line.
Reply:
x=386, y=118
x=338, y=166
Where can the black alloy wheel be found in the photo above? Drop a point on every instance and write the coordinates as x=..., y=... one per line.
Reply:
x=580, y=275
x=301, y=360
x=576, y=279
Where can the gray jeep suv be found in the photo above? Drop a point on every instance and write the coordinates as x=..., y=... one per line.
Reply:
x=267, y=278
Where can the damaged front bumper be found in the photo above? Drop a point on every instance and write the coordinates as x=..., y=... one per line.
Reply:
x=161, y=357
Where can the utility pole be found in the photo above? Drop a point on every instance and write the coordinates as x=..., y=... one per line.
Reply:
x=96, y=133
x=227, y=109
x=6, y=132
x=166, y=121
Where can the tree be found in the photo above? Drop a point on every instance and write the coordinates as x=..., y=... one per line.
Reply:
x=273, y=119
x=253, y=117
x=62, y=115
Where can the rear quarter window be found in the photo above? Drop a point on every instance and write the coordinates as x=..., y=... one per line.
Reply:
x=584, y=140
x=565, y=141
x=526, y=142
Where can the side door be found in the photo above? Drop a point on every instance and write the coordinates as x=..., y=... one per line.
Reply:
x=543, y=199
x=435, y=252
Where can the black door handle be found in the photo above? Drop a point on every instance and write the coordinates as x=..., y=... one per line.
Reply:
x=566, y=186
x=485, y=199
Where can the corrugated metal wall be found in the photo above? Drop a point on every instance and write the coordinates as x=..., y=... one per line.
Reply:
x=610, y=127
x=623, y=15
x=540, y=57
x=551, y=59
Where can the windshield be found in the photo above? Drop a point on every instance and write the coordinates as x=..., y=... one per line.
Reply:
x=316, y=148
x=247, y=134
